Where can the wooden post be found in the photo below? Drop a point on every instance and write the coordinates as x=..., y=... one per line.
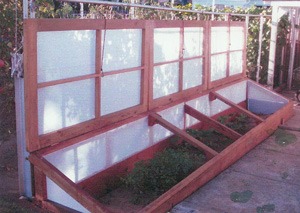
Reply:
x=261, y=28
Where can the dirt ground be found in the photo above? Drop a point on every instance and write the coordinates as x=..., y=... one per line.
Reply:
x=10, y=200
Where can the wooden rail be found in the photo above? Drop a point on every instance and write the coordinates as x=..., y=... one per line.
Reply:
x=215, y=124
x=154, y=118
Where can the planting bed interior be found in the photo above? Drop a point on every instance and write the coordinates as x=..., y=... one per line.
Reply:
x=108, y=104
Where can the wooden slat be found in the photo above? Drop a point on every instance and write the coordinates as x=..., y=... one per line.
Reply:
x=40, y=186
x=219, y=163
x=215, y=124
x=155, y=118
x=30, y=85
x=239, y=108
x=98, y=63
x=66, y=184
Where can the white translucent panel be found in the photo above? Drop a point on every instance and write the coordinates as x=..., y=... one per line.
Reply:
x=81, y=160
x=165, y=80
x=58, y=195
x=122, y=49
x=96, y=154
x=260, y=93
x=263, y=101
x=235, y=93
x=174, y=115
x=202, y=105
x=217, y=106
x=236, y=63
x=218, y=67
x=192, y=73
x=65, y=54
x=120, y=91
x=237, y=38
x=166, y=44
x=193, y=41
x=219, y=39
x=127, y=140
x=64, y=105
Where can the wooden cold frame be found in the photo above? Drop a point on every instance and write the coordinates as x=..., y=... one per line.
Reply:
x=59, y=139
x=217, y=163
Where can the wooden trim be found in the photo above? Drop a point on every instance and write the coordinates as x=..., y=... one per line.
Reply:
x=98, y=60
x=40, y=185
x=181, y=52
x=66, y=184
x=67, y=80
x=232, y=104
x=30, y=85
x=154, y=118
x=85, y=24
x=217, y=125
x=115, y=72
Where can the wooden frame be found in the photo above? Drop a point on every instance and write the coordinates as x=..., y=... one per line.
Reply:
x=41, y=145
x=227, y=78
x=217, y=163
x=154, y=103
x=35, y=141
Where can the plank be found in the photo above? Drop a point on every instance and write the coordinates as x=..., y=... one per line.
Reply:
x=154, y=118
x=66, y=184
x=213, y=123
x=234, y=105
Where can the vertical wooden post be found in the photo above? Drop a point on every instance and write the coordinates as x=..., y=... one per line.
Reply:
x=261, y=28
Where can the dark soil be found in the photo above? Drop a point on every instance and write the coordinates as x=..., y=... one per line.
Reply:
x=10, y=199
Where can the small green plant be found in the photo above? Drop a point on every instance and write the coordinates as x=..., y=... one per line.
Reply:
x=211, y=138
x=154, y=177
x=240, y=123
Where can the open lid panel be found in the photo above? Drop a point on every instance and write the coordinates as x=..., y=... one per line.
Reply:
x=82, y=75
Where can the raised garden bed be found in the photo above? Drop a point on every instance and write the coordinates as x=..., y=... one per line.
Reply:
x=151, y=178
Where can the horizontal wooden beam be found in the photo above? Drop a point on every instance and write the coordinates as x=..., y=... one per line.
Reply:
x=234, y=105
x=67, y=185
x=213, y=123
x=154, y=118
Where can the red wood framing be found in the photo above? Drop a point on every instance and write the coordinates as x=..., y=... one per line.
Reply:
x=217, y=125
x=154, y=103
x=232, y=104
x=32, y=27
x=227, y=78
x=154, y=118
x=198, y=178
x=65, y=183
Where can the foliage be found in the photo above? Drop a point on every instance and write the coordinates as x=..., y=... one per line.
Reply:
x=284, y=138
x=211, y=138
x=8, y=24
x=240, y=123
x=167, y=168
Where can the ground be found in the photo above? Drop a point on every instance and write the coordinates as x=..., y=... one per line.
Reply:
x=10, y=200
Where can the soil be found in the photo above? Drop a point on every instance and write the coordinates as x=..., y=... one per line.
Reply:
x=10, y=199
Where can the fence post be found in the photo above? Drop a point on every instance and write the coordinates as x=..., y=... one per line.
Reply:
x=294, y=13
x=261, y=28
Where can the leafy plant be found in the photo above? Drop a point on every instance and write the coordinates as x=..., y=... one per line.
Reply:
x=211, y=138
x=167, y=168
x=240, y=123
